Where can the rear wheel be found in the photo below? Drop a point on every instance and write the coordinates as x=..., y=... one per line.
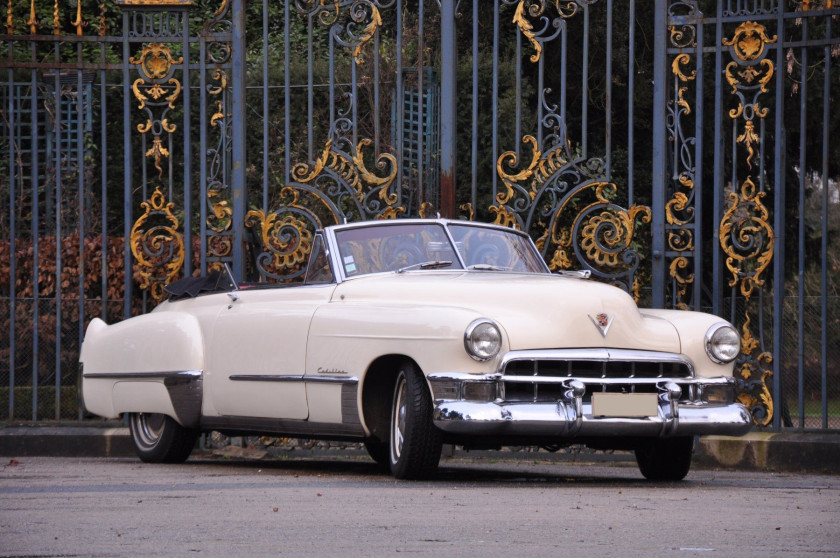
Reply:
x=415, y=442
x=665, y=459
x=159, y=438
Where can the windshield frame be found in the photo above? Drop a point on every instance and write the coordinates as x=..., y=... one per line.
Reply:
x=459, y=263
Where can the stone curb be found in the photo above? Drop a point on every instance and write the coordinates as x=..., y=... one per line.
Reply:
x=758, y=451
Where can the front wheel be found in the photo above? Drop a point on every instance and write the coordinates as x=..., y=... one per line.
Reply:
x=159, y=438
x=415, y=442
x=665, y=459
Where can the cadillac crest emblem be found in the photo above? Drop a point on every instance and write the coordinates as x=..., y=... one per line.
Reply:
x=603, y=322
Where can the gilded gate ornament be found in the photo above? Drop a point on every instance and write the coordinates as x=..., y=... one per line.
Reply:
x=679, y=209
x=746, y=236
x=156, y=89
x=336, y=186
x=364, y=20
x=563, y=201
x=157, y=245
x=527, y=10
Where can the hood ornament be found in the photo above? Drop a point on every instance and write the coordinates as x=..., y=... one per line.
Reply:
x=602, y=321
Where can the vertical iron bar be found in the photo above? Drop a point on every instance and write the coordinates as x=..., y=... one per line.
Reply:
x=699, y=240
x=103, y=164
x=127, y=162
x=779, y=226
x=474, y=153
x=265, y=153
x=495, y=100
x=35, y=219
x=187, y=157
x=824, y=247
x=517, y=137
x=80, y=165
x=660, y=153
x=398, y=103
x=448, y=108
x=13, y=172
x=58, y=243
x=717, y=185
x=240, y=197
x=202, y=194
x=287, y=89
x=608, y=86
x=584, y=88
x=803, y=96
x=563, y=73
x=421, y=174
x=310, y=86
x=376, y=112
x=631, y=88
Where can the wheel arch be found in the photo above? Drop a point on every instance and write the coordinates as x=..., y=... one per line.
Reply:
x=378, y=391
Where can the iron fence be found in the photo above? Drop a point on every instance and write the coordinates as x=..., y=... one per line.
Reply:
x=683, y=150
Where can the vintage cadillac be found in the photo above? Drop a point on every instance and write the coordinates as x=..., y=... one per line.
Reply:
x=409, y=334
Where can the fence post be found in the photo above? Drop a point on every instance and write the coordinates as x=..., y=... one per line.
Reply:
x=660, y=148
x=240, y=196
x=448, y=119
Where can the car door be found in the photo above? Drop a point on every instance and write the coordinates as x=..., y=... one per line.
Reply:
x=257, y=352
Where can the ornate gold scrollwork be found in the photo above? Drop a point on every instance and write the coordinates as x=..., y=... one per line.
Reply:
x=156, y=245
x=585, y=224
x=363, y=13
x=352, y=171
x=605, y=235
x=746, y=236
x=157, y=88
x=679, y=210
x=323, y=189
x=534, y=9
x=287, y=239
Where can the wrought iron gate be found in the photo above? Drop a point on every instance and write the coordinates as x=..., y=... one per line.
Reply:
x=650, y=142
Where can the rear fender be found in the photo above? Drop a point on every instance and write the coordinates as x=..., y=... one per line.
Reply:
x=152, y=363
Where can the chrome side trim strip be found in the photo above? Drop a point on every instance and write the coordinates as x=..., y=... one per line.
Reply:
x=294, y=378
x=183, y=374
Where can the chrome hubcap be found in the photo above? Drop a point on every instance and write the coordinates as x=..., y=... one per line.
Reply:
x=398, y=421
x=147, y=427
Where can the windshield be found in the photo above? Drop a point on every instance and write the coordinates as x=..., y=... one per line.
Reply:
x=381, y=248
x=496, y=250
x=411, y=246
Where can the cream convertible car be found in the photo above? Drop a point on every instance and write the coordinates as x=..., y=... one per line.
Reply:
x=409, y=334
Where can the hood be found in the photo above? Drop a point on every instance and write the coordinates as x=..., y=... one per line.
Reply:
x=535, y=311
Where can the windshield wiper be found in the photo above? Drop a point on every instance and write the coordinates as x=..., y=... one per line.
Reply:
x=426, y=265
x=487, y=267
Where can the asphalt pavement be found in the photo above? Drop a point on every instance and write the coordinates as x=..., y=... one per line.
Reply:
x=319, y=506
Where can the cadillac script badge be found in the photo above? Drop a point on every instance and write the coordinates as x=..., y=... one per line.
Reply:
x=603, y=322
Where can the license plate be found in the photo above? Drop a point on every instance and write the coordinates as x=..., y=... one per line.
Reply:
x=624, y=405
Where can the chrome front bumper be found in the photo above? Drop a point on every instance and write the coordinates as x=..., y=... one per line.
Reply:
x=571, y=416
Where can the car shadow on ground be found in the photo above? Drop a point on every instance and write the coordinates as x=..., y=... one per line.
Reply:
x=450, y=472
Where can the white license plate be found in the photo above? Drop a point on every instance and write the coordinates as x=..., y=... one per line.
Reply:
x=624, y=405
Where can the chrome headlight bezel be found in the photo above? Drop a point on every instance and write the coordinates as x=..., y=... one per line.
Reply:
x=483, y=339
x=720, y=349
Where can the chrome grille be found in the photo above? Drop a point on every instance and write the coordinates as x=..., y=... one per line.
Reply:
x=539, y=375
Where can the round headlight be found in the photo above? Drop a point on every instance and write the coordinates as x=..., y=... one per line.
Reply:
x=483, y=340
x=723, y=343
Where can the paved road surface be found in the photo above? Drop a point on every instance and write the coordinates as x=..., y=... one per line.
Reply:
x=322, y=507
